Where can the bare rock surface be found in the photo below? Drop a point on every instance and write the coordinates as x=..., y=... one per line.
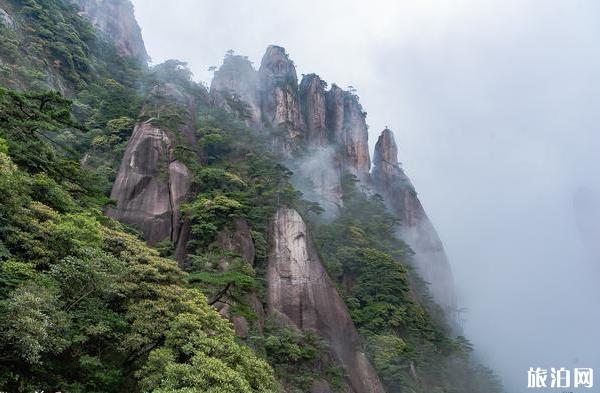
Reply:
x=415, y=227
x=312, y=104
x=151, y=183
x=150, y=186
x=301, y=294
x=278, y=89
x=116, y=19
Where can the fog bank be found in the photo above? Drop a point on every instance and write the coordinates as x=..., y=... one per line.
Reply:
x=495, y=108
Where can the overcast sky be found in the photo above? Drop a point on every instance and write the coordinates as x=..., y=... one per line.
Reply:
x=496, y=108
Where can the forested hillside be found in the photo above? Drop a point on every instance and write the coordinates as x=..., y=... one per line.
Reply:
x=160, y=236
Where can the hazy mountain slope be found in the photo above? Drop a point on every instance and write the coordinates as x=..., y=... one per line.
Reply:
x=202, y=175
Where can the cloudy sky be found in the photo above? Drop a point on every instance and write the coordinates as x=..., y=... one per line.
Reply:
x=496, y=108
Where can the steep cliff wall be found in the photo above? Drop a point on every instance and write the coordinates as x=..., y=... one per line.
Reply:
x=415, y=227
x=301, y=294
x=116, y=19
x=151, y=182
x=236, y=83
x=278, y=89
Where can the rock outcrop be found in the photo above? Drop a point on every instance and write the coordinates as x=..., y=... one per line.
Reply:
x=116, y=19
x=301, y=295
x=347, y=124
x=6, y=19
x=416, y=229
x=278, y=89
x=235, y=83
x=151, y=183
x=313, y=109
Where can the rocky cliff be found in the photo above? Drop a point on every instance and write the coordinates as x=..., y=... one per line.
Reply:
x=152, y=182
x=116, y=19
x=416, y=229
x=278, y=89
x=301, y=295
x=321, y=134
x=234, y=87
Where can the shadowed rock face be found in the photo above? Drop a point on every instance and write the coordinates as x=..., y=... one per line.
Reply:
x=301, y=295
x=416, y=230
x=347, y=124
x=235, y=82
x=278, y=89
x=151, y=184
x=238, y=240
x=312, y=104
x=116, y=19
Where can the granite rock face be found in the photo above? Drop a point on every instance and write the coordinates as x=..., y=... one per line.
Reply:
x=312, y=104
x=347, y=124
x=235, y=83
x=116, y=19
x=301, y=295
x=416, y=229
x=278, y=89
x=151, y=183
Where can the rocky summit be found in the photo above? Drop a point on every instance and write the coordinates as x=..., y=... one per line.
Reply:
x=162, y=236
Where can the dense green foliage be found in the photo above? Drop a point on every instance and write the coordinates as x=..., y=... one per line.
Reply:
x=85, y=307
x=50, y=46
x=404, y=331
x=240, y=179
x=299, y=358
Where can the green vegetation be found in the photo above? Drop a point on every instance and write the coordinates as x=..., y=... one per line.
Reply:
x=299, y=358
x=85, y=307
x=404, y=331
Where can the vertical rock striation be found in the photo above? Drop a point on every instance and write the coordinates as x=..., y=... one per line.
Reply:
x=151, y=183
x=313, y=109
x=347, y=124
x=300, y=294
x=278, y=89
x=416, y=229
x=116, y=19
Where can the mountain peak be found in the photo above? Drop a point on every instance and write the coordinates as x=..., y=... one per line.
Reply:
x=386, y=151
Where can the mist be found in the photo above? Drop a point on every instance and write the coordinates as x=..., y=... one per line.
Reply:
x=495, y=107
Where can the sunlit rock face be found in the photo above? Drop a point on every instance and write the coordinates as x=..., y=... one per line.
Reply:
x=278, y=89
x=116, y=19
x=234, y=84
x=416, y=230
x=301, y=295
x=151, y=184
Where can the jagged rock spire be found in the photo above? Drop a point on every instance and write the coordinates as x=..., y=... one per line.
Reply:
x=346, y=121
x=416, y=230
x=386, y=152
x=278, y=89
x=313, y=108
